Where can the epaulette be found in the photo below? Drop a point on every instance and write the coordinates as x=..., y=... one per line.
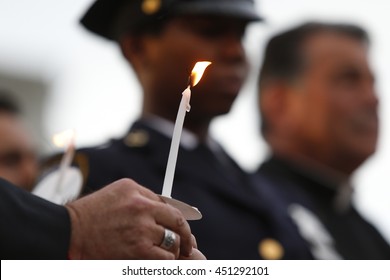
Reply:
x=136, y=138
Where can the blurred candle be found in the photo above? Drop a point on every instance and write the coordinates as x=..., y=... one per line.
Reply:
x=184, y=107
x=65, y=139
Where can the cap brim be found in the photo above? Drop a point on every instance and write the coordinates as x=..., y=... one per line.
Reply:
x=240, y=11
x=98, y=19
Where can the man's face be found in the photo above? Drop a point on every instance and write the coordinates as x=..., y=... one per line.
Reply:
x=18, y=163
x=171, y=55
x=336, y=104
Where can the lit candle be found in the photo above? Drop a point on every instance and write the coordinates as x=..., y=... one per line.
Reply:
x=65, y=139
x=65, y=183
x=184, y=107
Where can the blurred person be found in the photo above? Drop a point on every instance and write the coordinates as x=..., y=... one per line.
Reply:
x=18, y=155
x=121, y=221
x=162, y=40
x=319, y=111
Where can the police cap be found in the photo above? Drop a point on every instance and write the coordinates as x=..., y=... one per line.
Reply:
x=105, y=16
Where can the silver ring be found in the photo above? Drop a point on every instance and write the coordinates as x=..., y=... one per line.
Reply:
x=168, y=240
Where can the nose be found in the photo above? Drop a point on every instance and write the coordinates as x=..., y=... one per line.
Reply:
x=370, y=96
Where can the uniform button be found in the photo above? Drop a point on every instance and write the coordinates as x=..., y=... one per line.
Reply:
x=271, y=249
x=137, y=138
x=150, y=7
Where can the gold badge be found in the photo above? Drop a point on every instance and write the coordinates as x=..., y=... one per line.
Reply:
x=150, y=7
x=137, y=138
x=271, y=249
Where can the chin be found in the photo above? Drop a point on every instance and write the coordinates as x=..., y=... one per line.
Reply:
x=222, y=110
x=362, y=153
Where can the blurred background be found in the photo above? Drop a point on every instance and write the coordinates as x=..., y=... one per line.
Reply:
x=64, y=78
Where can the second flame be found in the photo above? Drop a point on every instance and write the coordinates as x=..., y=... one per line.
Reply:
x=64, y=139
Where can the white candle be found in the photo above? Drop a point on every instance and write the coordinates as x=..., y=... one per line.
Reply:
x=172, y=158
x=65, y=183
x=66, y=139
x=66, y=161
x=184, y=107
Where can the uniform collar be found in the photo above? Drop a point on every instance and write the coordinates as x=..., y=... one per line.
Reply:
x=335, y=182
x=188, y=140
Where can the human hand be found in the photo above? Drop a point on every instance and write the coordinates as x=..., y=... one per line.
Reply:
x=126, y=221
x=196, y=254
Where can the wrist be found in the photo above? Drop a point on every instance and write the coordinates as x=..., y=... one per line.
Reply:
x=75, y=244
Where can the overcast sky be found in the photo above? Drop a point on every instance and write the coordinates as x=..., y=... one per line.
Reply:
x=93, y=90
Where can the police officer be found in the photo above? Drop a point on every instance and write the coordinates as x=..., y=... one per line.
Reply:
x=162, y=40
x=319, y=117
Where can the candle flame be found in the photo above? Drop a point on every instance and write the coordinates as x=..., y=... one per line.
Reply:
x=64, y=138
x=198, y=71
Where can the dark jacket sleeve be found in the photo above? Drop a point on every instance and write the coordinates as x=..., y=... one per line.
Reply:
x=31, y=227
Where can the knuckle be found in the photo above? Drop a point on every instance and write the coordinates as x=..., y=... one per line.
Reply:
x=180, y=221
x=177, y=215
x=126, y=185
x=138, y=203
x=126, y=182
x=177, y=241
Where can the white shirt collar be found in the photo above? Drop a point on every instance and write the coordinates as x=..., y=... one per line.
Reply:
x=188, y=139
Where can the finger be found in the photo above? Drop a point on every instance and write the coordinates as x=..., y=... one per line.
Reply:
x=194, y=243
x=167, y=216
x=171, y=218
x=149, y=194
x=135, y=187
x=157, y=253
x=154, y=237
x=170, y=241
x=196, y=255
x=145, y=191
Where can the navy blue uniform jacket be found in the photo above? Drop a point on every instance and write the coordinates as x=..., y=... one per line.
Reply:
x=235, y=218
x=352, y=235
